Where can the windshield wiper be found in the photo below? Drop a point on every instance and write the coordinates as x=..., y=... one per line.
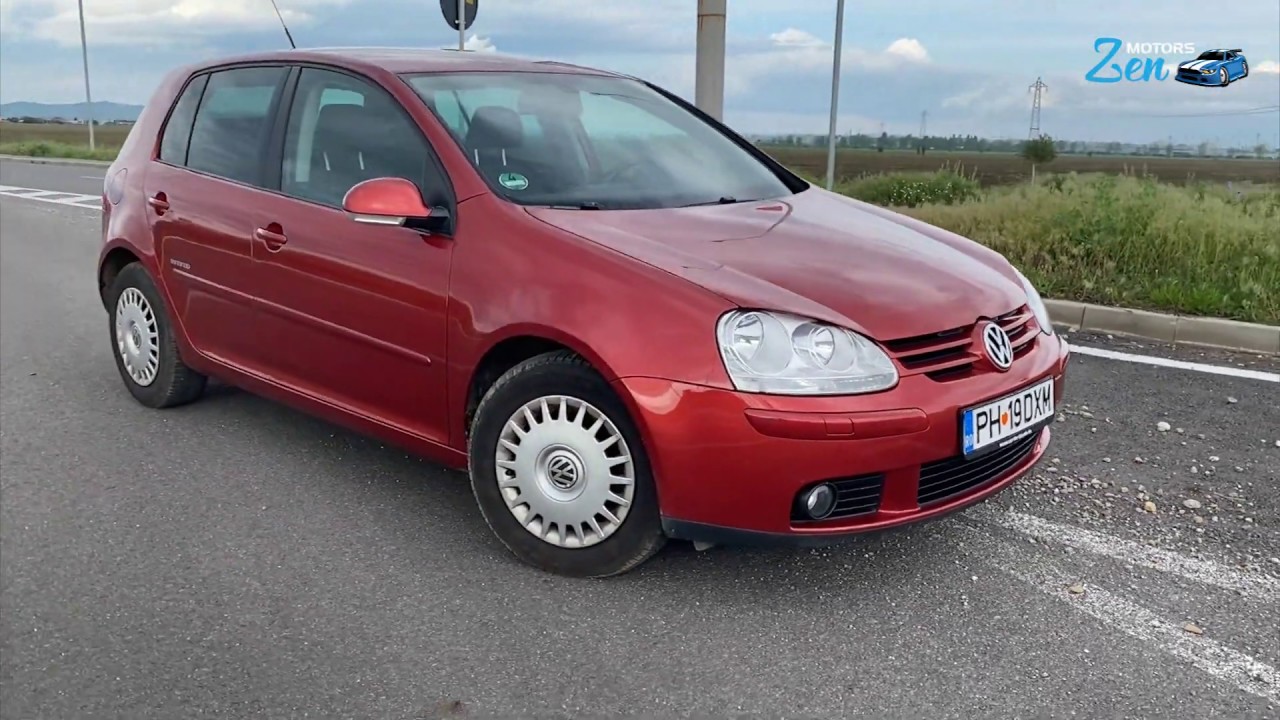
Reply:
x=726, y=200
x=578, y=206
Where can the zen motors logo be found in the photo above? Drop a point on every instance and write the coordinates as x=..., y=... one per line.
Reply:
x=1145, y=62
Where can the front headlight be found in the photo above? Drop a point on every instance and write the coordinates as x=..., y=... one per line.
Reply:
x=1036, y=303
x=1206, y=72
x=780, y=354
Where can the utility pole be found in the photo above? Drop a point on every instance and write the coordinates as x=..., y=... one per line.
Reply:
x=835, y=96
x=708, y=88
x=1038, y=88
x=924, y=120
x=84, y=52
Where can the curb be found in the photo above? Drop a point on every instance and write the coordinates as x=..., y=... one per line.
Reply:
x=1172, y=329
x=54, y=161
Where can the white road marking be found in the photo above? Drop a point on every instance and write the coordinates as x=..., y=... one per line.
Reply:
x=1231, y=666
x=56, y=197
x=1178, y=364
x=1254, y=586
x=92, y=177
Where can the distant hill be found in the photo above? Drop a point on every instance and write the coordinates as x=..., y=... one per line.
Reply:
x=103, y=111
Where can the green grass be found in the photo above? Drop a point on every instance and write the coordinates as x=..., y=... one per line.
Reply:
x=1131, y=242
x=58, y=150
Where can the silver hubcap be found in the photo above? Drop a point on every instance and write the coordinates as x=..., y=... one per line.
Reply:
x=137, y=336
x=565, y=471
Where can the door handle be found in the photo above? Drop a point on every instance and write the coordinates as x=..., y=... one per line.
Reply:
x=272, y=236
x=160, y=202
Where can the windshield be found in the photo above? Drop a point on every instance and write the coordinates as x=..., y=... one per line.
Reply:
x=591, y=142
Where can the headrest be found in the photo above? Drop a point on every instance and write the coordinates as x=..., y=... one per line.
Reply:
x=550, y=101
x=493, y=127
x=347, y=117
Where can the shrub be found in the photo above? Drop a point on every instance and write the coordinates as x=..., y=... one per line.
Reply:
x=944, y=187
x=1133, y=242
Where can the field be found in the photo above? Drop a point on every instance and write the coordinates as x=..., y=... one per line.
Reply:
x=67, y=141
x=1006, y=169
x=1156, y=233
x=110, y=136
x=987, y=168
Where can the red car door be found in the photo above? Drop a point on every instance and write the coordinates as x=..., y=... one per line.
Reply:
x=354, y=314
x=203, y=195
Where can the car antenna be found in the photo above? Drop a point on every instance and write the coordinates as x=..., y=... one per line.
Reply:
x=286, y=27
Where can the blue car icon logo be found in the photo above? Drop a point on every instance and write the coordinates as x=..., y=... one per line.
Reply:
x=1214, y=68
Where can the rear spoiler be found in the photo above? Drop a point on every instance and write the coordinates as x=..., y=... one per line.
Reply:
x=1235, y=50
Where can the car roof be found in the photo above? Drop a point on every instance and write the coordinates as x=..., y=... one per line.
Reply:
x=412, y=60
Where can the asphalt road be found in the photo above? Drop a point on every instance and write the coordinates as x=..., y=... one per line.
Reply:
x=234, y=558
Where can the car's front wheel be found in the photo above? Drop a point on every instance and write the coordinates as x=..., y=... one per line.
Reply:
x=559, y=470
x=1224, y=77
x=142, y=341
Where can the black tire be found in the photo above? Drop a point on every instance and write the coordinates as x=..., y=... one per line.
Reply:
x=1244, y=65
x=562, y=373
x=174, y=383
x=1225, y=76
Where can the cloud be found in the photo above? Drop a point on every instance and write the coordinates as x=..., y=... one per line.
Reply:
x=908, y=49
x=967, y=65
x=478, y=43
x=151, y=22
x=792, y=37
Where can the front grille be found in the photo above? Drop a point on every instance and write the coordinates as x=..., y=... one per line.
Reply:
x=943, y=479
x=859, y=495
x=952, y=354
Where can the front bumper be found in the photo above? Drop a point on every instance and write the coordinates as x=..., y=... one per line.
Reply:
x=729, y=465
x=1199, y=79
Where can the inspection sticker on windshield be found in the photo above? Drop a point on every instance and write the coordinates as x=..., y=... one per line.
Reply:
x=513, y=181
x=1000, y=422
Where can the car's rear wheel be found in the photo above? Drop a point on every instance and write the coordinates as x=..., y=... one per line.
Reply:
x=143, y=344
x=1244, y=68
x=559, y=470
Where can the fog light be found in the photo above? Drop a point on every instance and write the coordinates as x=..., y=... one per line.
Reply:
x=820, y=501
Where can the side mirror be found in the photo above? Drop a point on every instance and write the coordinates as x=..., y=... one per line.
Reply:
x=390, y=201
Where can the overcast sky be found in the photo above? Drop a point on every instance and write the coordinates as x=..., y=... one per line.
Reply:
x=969, y=64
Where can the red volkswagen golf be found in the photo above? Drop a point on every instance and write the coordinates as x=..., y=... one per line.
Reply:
x=623, y=319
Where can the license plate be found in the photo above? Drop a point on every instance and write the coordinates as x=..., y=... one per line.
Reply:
x=1010, y=418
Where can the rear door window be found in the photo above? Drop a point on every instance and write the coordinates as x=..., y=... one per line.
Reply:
x=229, y=136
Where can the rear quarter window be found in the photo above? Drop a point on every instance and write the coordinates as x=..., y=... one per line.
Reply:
x=177, y=131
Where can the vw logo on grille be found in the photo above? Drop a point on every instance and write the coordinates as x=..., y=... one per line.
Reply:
x=999, y=348
x=562, y=472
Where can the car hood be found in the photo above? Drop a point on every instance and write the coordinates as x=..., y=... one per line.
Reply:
x=816, y=254
x=1200, y=64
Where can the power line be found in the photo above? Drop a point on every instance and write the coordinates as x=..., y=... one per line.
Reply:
x=1250, y=111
